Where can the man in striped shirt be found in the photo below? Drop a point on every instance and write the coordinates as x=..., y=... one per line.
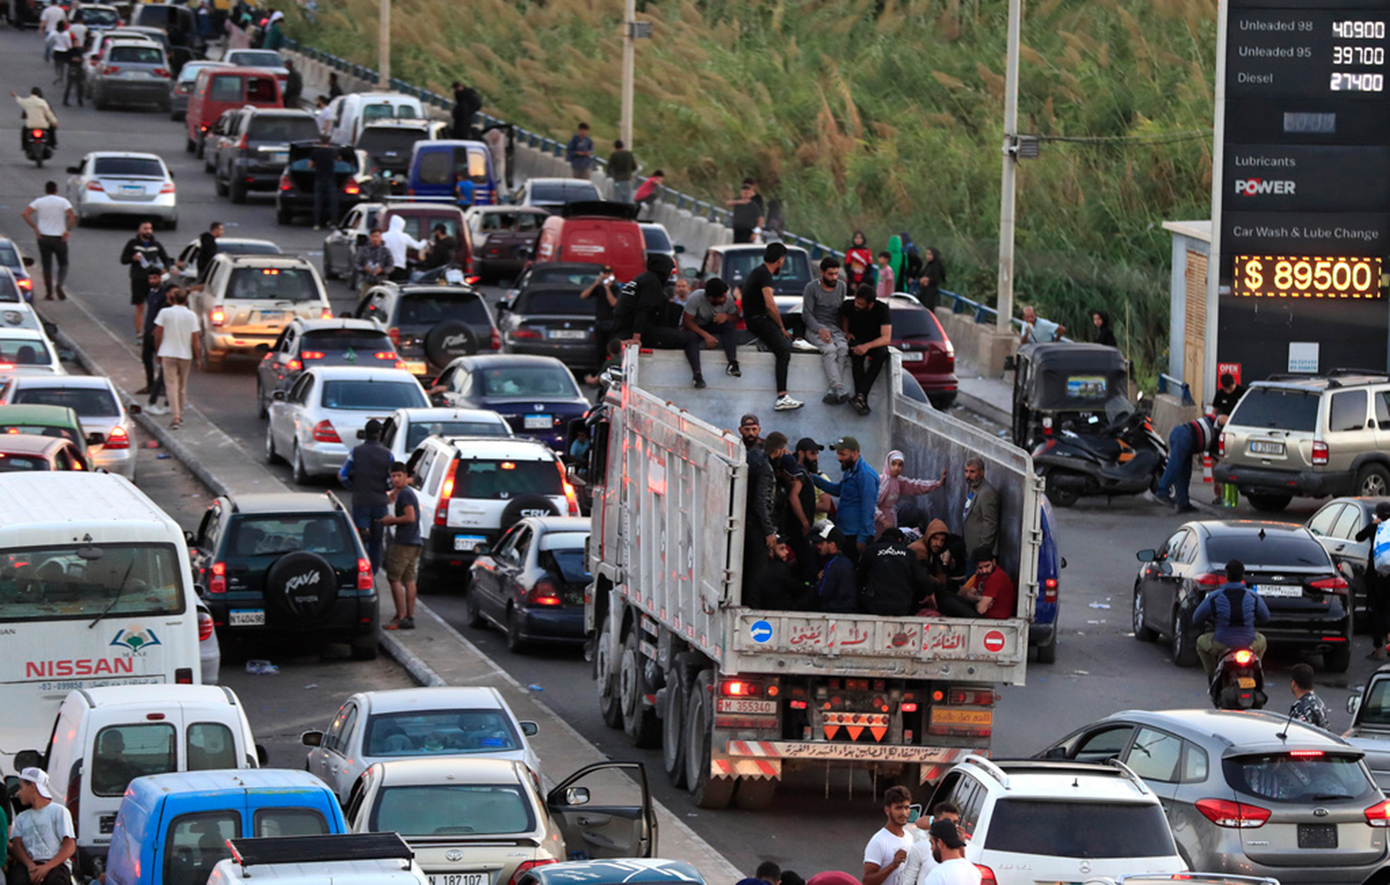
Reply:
x=1186, y=440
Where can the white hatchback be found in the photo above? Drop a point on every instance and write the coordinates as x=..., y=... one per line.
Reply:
x=108, y=423
x=27, y=352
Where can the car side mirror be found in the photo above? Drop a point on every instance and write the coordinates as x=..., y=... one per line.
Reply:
x=678, y=249
x=27, y=759
x=1353, y=704
x=1009, y=364
x=577, y=796
x=74, y=170
x=171, y=173
x=278, y=396
x=529, y=728
x=133, y=408
x=189, y=539
x=1146, y=556
x=66, y=355
x=28, y=261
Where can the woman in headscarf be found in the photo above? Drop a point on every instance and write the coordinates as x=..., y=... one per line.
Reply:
x=1104, y=333
x=274, y=33
x=859, y=262
x=933, y=276
x=898, y=261
x=892, y=485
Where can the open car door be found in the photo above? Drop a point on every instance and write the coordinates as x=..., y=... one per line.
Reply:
x=605, y=810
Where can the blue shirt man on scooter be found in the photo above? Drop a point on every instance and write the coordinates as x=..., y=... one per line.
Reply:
x=1234, y=610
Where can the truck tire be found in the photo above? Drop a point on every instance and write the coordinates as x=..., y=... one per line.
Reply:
x=639, y=721
x=755, y=794
x=303, y=585
x=607, y=679
x=1047, y=653
x=706, y=791
x=673, y=729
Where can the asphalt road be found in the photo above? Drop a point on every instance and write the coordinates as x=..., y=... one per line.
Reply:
x=821, y=820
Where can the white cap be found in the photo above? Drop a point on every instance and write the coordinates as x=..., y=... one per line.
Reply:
x=39, y=778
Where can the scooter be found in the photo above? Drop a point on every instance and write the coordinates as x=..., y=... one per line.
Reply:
x=38, y=145
x=1125, y=457
x=1239, y=681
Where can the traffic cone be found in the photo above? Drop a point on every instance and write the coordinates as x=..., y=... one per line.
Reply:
x=1206, y=469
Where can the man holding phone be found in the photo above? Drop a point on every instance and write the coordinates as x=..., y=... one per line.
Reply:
x=604, y=291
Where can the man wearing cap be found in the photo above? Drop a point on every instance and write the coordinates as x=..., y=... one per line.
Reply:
x=858, y=494
x=948, y=850
x=367, y=472
x=42, y=839
x=759, y=529
x=838, y=588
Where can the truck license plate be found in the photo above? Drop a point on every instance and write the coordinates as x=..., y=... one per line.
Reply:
x=536, y=422
x=749, y=708
x=1261, y=447
x=246, y=617
x=459, y=879
x=961, y=716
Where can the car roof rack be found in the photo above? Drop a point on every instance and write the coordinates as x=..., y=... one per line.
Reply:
x=1129, y=773
x=312, y=849
x=988, y=767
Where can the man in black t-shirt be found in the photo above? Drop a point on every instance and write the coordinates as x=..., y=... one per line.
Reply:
x=747, y=211
x=869, y=328
x=1224, y=403
x=761, y=317
x=604, y=291
x=324, y=160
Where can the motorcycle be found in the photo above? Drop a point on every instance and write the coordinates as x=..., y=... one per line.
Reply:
x=1239, y=682
x=38, y=145
x=1124, y=457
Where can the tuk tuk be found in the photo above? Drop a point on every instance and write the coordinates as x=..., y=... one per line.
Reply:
x=1061, y=385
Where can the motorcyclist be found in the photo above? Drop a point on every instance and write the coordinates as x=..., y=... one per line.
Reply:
x=37, y=115
x=1234, y=610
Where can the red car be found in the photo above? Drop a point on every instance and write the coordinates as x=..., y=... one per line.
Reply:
x=927, y=353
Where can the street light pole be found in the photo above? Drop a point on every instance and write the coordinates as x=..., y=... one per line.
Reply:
x=383, y=46
x=1007, y=186
x=629, y=60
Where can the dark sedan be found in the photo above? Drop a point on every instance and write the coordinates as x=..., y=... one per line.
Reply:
x=1306, y=595
x=532, y=585
x=1335, y=526
x=535, y=394
x=550, y=321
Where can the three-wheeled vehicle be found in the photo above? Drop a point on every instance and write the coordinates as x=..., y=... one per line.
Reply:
x=1061, y=385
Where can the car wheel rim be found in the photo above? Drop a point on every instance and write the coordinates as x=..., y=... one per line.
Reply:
x=1374, y=486
x=1138, y=610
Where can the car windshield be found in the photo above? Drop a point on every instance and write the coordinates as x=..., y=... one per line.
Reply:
x=552, y=301
x=247, y=247
x=452, y=810
x=429, y=308
x=421, y=429
x=387, y=111
x=373, y=395
x=139, y=55
x=1276, y=549
x=89, y=402
x=24, y=352
x=9, y=291
x=439, y=733
x=494, y=480
x=518, y=221
x=1266, y=407
x=276, y=535
x=125, y=752
x=1298, y=776
x=346, y=343
x=286, y=127
x=558, y=276
x=273, y=284
x=562, y=553
x=738, y=265
x=529, y=381
x=380, y=141
x=1375, y=706
x=253, y=58
x=188, y=73
x=562, y=192
x=99, y=18
x=420, y=225
x=914, y=324
x=21, y=463
x=656, y=239
x=1079, y=829
x=446, y=165
x=128, y=167
x=83, y=580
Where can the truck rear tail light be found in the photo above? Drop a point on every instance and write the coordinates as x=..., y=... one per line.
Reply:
x=798, y=705
x=218, y=582
x=446, y=492
x=1233, y=815
x=119, y=439
x=1320, y=453
x=364, y=575
x=908, y=708
x=1050, y=590
x=325, y=432
x=740, y=688
x=973, y=697
x=543, y=592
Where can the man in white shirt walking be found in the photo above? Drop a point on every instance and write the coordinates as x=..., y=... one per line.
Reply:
x=42, y=839
x=52, y=14
x=887, y=850
x=948, y=849
x=52, y=219
x=177, y=345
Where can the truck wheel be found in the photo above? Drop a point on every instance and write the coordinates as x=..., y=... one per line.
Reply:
x=607, y=680
x=755, y=794
x=1047, y=654
x=673, y=729
x=638, y=721
x=707, y=791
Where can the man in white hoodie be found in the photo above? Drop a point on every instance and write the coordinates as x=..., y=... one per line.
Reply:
x=398, y=241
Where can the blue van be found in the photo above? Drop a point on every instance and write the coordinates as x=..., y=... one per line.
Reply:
x=172, y=829
x=1042, y=633
x=436, y=166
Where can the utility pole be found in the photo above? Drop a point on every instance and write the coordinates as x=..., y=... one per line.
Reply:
x=1007, y=189
x=383, y=47
x=629, y=62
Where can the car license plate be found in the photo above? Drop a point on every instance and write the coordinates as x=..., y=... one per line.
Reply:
x=911, y=357
x=569, y=334
x=1317, y=835
x=465, y=543
x=279, y=157
x=453, y=276
x=536, y=422
x=271, y=316
x=459, y=879
x=415, y=368
x=246, y=617
x=1262, y=447
x=1246, y=681
x=135, y=75
x=132, y=189
x=750, y=708
x=1284, y=590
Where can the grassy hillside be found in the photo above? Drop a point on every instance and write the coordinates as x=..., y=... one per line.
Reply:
x=880, y=114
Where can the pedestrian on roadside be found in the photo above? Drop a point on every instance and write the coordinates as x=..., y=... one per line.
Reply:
x=859, y=262
x=1184, y=441
x=897, y=258
x=748, y=212
x=761, y=317
x=178, y=347
x=1375, y=586
x=921, y=860
x=294, y=85
x=948, y=850
x=42, y=839
x=580, y=152
x=208, y=248
x=932, y=279
x=622, y=165
x=467, y=104
x=645, y=197
x=887, y=850
x=274, y=36
x=62, y=44
x=373, y=261
x=712, y=315
x=868, y=328
x=1307, y=706
x=156, y=299
x=604, y=291
x=335, y=88
x=322, y=116
x=403, y=551
x=1224, y=403
x=1037, y=330
x=367, y=472
x=52, y=219
x=323, y=159
x=77, y=50
x=143, y=253
x=49, y=19
x=1104, y=333
x=887, y=279
x=821, y=303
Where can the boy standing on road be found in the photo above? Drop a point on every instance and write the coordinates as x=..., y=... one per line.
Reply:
x=403, y=553
x=52, y=219
x=177, y=344
x=42, y=839
x=887, y=850
x=155, y=301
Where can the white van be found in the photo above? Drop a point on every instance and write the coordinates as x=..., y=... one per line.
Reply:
x=95, y=590
x=356, y=859
x=104, y=738
x=348, y=113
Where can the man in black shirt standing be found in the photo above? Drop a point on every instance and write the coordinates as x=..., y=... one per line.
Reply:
x=324, y=160
x=207, y=248
x=1224, y=403
x=869, y=328
x=604, y=291
x=747, y=211
x=761, y=317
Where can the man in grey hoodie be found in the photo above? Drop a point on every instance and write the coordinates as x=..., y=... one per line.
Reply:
x=820, y=311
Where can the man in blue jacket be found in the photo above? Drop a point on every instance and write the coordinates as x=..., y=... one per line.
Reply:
x=858, y=494
x=838, y=587
x=1235, y=610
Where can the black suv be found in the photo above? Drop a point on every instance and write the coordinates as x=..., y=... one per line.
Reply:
x=283, y=564
x=253, y=148
x=431, y=325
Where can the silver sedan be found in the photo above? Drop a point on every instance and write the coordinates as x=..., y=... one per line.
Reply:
x=106, y=421
x=122, y=183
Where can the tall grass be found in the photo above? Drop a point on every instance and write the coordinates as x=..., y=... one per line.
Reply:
x=877, y=114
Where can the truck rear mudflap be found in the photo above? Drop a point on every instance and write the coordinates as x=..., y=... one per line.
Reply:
x=766, y=759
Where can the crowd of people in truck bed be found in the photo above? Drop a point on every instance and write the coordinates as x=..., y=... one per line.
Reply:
x=814, y=544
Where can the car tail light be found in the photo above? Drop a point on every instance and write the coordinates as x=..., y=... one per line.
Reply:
x=312, y=355
x=326, y=313
x=244, y=142
x=740, y=688
x=95, y=186
x=526, y=333
x=352, y=189
x=986, y=875
x=395, y=335
x=1209, y=580
x=1047, y=426
x=1320, y=453
x=294, y=365
x=471, y=280
x=204, y=626
x=161, y=72
x=1050, y=590
x=218, y=582
x=570, y=497
x=446, y=492
x=183, y=676
x=219, y=316
x=1244, y=656
x=1233, y=815
x=387, y=355
x=410, y=192
x=495, y=339
x=1221, y=446
x=117, y=439
x=1336, y=585
x=525, y=865
x=285, y=183
x=325, y=432
x=1305, y=754
x=1378, y=815
x=26, y=284
x=111, y=69
x=167, y=188
x=365, y=580
x=543, y=593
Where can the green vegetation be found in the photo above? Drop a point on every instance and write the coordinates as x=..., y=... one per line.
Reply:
x=880, y=114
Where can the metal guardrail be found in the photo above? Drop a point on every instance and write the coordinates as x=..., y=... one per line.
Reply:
x=1167, y=384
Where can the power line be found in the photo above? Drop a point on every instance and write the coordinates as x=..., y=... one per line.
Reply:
x=1160, y=138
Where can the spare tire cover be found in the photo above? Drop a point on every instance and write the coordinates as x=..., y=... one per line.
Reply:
x=448, y=341
x=302, y=585
x=528, y=505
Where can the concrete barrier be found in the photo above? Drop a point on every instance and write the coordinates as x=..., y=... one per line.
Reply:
x=980, y=344
x=1169, y=412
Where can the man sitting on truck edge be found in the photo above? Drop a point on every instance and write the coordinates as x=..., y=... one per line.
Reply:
x=821, y=302
x=43, y=839
x=858, y=494
x=989, y=589
x=712, y=315
x=640, y=315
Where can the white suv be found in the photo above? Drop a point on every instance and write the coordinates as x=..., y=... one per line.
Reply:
x=474, y=488
x=248, y=301
x=1027, y=822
